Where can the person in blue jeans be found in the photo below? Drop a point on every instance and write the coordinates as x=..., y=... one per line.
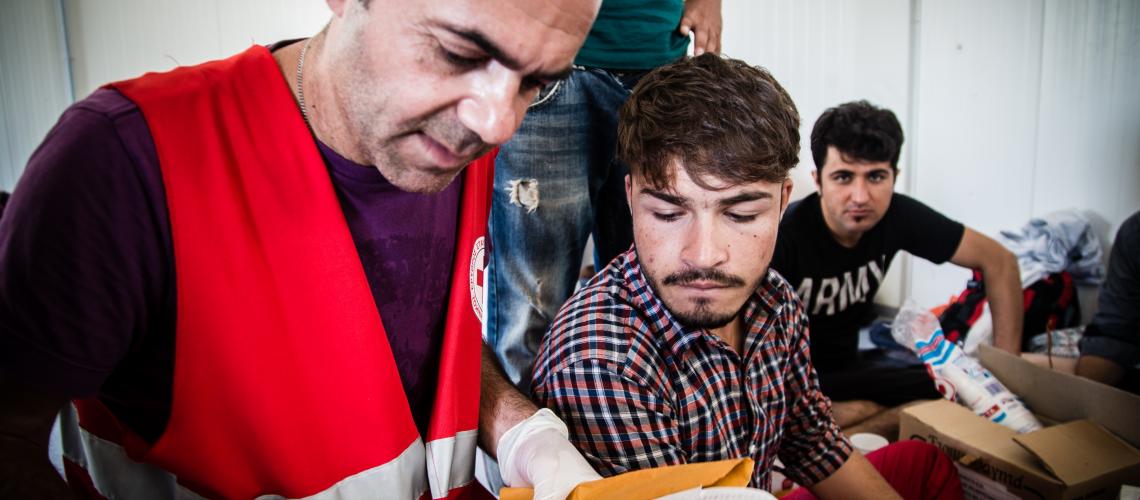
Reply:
x=557, y=180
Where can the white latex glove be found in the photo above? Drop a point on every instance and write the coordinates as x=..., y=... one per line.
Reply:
x=537, y=452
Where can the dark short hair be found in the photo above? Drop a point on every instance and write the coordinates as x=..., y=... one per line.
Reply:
x=721, y=117
x=861, y=131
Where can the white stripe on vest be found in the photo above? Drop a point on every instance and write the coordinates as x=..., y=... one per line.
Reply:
x=449, y=461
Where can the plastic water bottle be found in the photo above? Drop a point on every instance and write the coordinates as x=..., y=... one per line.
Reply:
x=959, y=377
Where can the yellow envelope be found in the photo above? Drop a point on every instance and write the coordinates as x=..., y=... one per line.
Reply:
x=652, y=483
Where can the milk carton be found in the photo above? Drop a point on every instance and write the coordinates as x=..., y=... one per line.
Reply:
x=959, y=377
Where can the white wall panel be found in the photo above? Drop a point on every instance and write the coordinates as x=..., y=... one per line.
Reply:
x=976, y=130
x=249, y=22
x=1024, y=108
x=1088, y=153
x=125, y=38
x=111, y=41
x=34, y=86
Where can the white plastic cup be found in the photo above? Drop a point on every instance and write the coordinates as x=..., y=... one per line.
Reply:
x=867, y=442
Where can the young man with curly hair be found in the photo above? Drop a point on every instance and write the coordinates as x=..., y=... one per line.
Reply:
x=687, y=347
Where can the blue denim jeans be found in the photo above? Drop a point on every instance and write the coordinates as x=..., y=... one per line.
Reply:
x=556, y=182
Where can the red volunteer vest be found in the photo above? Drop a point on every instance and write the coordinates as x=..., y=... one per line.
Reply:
x=284, y=383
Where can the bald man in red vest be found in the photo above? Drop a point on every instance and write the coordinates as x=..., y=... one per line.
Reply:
x=260, y=275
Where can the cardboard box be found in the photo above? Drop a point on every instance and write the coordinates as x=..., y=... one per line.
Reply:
x=1087, y=449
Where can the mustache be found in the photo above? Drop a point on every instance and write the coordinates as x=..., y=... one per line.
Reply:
x=693, y=274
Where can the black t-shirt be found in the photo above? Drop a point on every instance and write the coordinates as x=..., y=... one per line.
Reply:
x=838, y=284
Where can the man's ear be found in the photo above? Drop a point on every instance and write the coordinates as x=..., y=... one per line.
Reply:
x=337, y=6
x=815, y=176
x=628, y=193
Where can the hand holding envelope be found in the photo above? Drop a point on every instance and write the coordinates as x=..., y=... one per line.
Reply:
x=537, y=453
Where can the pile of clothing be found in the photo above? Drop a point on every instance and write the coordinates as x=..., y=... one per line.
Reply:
x=1060, y=241
x=1054, y=252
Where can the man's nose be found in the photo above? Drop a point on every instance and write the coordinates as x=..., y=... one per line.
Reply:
x=494, y=107
x=703, y=248
x=859, y=191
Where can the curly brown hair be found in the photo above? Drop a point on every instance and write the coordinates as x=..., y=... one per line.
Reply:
x=719, y=117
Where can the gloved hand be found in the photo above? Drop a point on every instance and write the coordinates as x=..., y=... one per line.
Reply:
x=537, y=452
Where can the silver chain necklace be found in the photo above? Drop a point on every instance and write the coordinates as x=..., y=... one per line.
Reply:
x=300, y=83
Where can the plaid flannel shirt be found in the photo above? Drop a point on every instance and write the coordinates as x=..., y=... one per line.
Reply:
x=638, y=390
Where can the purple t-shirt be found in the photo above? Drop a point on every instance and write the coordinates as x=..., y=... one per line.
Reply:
x=87, y=296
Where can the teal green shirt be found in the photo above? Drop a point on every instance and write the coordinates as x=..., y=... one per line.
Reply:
x=634, y=35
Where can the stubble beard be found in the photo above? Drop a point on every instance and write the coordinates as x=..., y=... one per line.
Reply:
x=700, y=314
